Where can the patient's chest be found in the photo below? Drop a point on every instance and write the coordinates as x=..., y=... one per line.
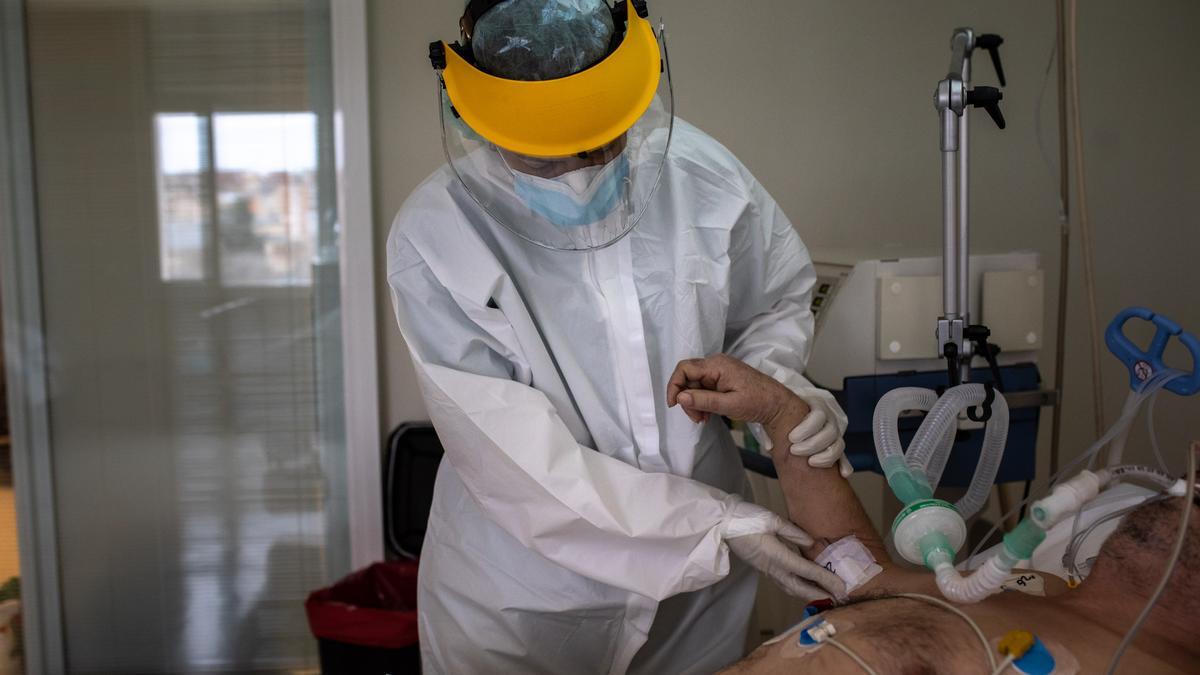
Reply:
x=921, y=638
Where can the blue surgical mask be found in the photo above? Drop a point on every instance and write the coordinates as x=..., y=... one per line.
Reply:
x=581, y=197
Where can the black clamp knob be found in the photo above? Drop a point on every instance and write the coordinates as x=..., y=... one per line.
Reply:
x=950, y=353
x=989, y=99
x=978, y=334
x=991, y=42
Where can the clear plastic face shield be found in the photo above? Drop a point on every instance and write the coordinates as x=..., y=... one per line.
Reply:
x=572, y=180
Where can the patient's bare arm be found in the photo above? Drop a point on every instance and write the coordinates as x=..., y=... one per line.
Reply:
x=819, y=500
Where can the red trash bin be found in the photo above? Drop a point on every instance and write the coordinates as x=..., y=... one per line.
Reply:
x=367, y=622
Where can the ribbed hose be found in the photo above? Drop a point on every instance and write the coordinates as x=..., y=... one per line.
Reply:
x=914, y=475
x=930, y=449
x=908, y=485
x=937, y=464
x=1019, y=544
x=1142, y=474
x=927, y=448
x=990, y=455
x=976, y=586
x=887, y=417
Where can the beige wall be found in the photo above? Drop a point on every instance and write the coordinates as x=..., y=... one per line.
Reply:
x=829, y=103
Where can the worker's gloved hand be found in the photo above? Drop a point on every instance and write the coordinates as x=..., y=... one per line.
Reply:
x=769, y=544
x=819, y=436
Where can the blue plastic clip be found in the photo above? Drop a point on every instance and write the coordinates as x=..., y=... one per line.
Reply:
x=1145, y=364
x=1037, y=661
x=810, y=611
x=806, y=639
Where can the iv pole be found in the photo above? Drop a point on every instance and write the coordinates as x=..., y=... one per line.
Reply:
x=1064, y=232
x=958, y=339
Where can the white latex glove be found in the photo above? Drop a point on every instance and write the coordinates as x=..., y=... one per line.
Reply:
x=819, y=436
x=768, y=543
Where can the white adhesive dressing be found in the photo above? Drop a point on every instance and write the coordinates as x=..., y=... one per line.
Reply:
x=850, y=560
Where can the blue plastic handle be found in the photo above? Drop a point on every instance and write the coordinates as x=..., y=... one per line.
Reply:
x=1144, y=364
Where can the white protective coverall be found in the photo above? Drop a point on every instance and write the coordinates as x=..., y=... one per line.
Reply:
x=572, y=505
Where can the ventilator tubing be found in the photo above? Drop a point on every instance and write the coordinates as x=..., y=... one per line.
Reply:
x=913, y=475
x=1069, y=497
x=929, y=531
x=987, y=579
x=1118, y=433
x=1063, y=502
x=907, y=485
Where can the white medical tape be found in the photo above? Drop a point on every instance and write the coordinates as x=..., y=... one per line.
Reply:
x=850, y=560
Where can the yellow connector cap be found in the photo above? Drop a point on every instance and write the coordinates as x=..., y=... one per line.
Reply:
x=1015, y=643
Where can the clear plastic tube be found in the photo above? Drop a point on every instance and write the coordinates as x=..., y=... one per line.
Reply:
x=937, y=464
x=1018, y=545
x=1021, y=542
x=1116, y=447
x=1151, y=388
x=1117, y=434
x=977, y=585
x=994, y=440
x=1158, y=456
x=1143, y=474
x=887, y=417
x=931, y=446
x=1071, y=552
x=927, y=443
x=1133, y=404
x=908, y=485
x=1172, y=561
x=1068, y=497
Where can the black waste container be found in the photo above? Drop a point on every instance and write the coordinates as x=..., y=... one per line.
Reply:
x=366, y=624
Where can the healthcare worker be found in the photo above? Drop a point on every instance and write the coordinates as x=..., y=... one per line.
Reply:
x=580, y=242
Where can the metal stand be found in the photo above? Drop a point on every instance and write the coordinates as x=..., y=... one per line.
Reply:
x=957, y=338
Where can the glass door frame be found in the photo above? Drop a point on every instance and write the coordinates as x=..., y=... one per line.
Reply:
x=25, y=349
x=360, y=347
x=25, y=356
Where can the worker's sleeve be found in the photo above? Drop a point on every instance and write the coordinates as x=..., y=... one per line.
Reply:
x=655, y=534
x=770, y=324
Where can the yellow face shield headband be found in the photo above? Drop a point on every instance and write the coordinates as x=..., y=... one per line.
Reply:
x=561, y=117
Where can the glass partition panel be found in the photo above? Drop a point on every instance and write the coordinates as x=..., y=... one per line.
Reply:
x=184, y=173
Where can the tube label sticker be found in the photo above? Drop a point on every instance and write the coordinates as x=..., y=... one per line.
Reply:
x=1028, y=583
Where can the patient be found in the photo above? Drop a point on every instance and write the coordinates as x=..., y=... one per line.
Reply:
x=891, y=634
